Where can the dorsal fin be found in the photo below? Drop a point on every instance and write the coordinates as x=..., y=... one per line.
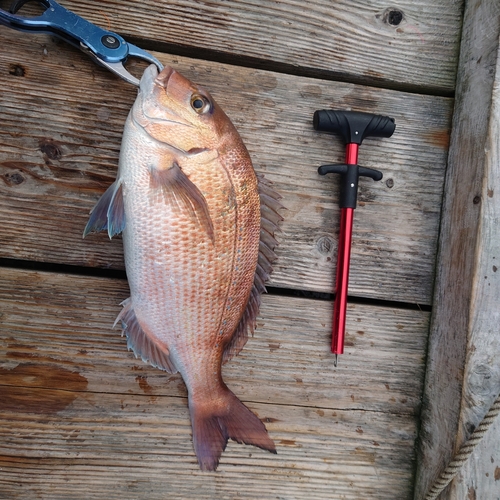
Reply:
x=270, y=219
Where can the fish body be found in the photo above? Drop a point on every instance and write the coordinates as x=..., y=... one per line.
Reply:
x=188, y=203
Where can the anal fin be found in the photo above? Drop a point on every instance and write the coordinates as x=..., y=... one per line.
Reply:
x=139, y=342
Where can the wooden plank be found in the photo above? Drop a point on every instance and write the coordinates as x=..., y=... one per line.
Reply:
x=408, y=44
x=463, y=374
x=482, y=366
x=59, y=321
x=480, y=476
x=76, y=406
x=62, y=121
x=110, y=446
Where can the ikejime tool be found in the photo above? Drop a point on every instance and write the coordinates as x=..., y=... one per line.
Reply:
x=353, y=127
x=105, y=47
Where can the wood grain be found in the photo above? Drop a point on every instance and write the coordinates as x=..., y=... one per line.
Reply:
x=76, y=406
x=406, y=44
x=62, y=123
x=482, y=366
x=463, y=370
x=128, y=446
x=80, y=417
x=59, y=321
x=480, y=475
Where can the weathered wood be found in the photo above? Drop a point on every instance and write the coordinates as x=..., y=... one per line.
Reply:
x=411, y=43
x=463, y=374
x=482, y=366
x=59, y=321
x=62, y=118
x=480, y=476
x=80, y=417
x=109, y=446
x=75, y=405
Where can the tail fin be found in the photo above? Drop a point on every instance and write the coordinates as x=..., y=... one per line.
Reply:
x=214, y=425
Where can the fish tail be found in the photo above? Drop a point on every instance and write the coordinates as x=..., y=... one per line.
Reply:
x=213, y=426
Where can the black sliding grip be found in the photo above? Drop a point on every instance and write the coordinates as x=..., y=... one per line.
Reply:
x=353, y=126
x=349, y=176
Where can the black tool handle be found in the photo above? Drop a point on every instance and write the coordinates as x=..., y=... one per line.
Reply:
x=353, y=126
x=349, y=175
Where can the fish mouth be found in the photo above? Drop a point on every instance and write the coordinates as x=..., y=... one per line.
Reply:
x=150, y=83
x=151, y=78
x=163, y=78
x=148, y=78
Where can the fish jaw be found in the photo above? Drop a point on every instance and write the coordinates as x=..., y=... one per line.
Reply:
x=152, y=85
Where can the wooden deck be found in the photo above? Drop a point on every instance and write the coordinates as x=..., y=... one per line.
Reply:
x=80, y=417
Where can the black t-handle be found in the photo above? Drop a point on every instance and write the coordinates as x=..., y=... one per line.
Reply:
x=353, y=126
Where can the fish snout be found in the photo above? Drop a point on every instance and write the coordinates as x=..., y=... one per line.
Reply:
x=163, y=78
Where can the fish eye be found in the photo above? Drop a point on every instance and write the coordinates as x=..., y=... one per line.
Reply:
x=200, y=104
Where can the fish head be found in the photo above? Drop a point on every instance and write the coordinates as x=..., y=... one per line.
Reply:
x=179, y=113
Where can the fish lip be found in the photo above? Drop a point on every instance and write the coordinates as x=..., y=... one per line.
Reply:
x=163, y=78
x=151, y=79
x=148, y=79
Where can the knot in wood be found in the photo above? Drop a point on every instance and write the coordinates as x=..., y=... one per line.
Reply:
x=14, y=178
x=324, y=245
x=17, y=70
x=51, y=149
x=392, y=16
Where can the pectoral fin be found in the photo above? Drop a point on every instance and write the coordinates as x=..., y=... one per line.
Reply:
x=183, y=195
x=108, y=212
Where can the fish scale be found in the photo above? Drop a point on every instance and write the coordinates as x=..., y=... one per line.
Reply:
x=187, y=200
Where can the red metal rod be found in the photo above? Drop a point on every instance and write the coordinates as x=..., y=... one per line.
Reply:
x=343, y=261
x=342, y=280
x=351, y=154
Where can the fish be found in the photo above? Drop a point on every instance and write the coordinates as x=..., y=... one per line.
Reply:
x=198, y=228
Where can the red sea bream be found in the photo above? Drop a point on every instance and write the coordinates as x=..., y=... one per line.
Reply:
x=197, y=250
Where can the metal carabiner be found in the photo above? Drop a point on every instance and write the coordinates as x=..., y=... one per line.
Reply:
x=105, y=47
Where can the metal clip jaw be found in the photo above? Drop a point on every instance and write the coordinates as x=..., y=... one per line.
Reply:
x=105, y=47
x=118, y=68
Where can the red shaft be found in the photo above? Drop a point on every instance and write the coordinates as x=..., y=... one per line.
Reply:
x=343, y=261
